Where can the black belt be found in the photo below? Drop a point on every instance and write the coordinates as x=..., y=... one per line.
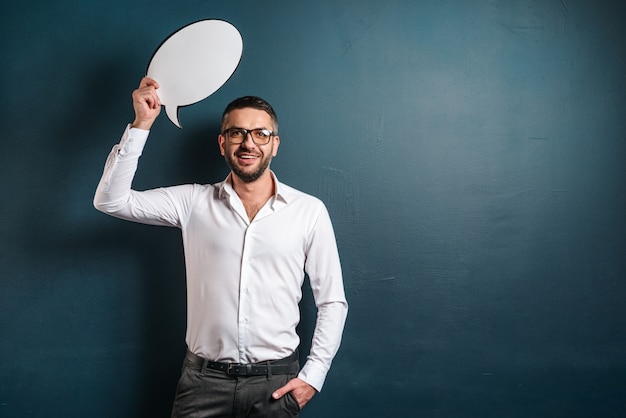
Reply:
x=289, y=365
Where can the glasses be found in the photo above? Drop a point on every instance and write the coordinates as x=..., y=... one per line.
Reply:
x=238, y=135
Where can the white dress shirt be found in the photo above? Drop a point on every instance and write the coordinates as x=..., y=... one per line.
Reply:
x=244, y=278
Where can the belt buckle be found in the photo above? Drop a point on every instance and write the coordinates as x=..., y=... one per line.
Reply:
x=239, y=369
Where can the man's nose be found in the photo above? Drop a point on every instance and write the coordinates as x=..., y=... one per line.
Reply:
x=245, y=140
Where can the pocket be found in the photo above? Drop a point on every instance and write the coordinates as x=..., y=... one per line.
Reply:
x=292, y=403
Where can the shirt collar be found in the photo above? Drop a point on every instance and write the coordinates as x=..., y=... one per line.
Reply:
x=282, y=192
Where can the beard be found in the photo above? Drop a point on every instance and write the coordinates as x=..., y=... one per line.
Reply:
x=248, y=176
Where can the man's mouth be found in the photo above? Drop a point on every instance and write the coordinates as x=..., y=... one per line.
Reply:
x=248, y=158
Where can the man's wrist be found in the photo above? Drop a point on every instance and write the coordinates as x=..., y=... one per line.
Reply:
x=141, y=125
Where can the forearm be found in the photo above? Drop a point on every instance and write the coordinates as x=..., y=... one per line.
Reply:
x=114, y=190
x=324, y=269
x=329, y=326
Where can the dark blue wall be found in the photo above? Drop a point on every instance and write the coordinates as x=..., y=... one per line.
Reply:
x=472, y=156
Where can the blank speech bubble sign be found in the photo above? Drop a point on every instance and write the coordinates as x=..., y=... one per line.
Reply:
x=194, y=62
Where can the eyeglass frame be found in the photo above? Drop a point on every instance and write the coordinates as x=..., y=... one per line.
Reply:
x=226, y=133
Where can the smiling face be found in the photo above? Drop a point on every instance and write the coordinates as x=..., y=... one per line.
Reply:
x=248, y=161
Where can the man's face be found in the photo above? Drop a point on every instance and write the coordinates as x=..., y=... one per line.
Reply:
x=248, y=161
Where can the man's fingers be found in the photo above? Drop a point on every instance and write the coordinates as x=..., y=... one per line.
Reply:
x=302, y=391
x=146, y=103
x=147, y=95
x=279, y=393
x=146, y=92
x=148, y=82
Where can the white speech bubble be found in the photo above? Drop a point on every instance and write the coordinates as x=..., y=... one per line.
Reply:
x=194, y=62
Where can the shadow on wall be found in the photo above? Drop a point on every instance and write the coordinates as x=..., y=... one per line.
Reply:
x=116, y=290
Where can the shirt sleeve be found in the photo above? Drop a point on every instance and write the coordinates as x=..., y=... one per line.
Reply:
x=324, y=270
x=115, y=196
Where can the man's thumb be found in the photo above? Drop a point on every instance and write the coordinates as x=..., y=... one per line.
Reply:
x=279, y=393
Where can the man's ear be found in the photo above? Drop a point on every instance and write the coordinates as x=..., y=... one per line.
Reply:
x=220, y=142
x=276, y=140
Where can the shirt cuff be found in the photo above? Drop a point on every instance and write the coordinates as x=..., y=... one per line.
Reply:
x=133, y=141
x=313, y=375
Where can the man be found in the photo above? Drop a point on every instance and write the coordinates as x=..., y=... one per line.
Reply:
x=248, y=242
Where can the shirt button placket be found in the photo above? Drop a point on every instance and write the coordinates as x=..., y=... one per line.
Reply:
x=244, y=297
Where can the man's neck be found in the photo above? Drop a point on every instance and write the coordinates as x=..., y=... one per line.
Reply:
x=254, y=194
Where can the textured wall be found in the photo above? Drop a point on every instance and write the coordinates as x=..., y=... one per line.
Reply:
x=471, y=154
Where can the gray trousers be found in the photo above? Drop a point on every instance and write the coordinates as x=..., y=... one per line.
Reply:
x=210, y=393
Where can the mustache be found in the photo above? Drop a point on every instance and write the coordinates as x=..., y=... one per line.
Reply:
x=244, y=150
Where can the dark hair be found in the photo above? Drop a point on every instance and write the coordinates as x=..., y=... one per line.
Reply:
x=253, y=102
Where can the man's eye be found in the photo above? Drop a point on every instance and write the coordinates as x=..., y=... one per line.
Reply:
x=236, y=133
x=262, y=133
